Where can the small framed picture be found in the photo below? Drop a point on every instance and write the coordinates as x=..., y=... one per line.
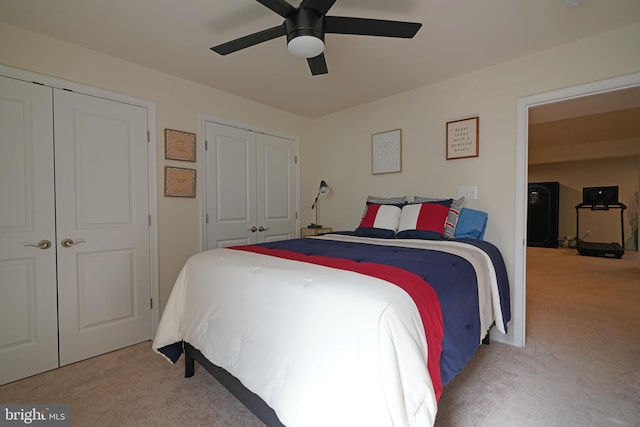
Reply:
x=463, y=138
x=179, y=145
x=179, y=182
x=387, y=152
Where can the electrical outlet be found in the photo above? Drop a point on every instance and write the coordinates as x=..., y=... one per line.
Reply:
x=469, y=192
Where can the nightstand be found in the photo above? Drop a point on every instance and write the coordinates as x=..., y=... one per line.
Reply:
x=306, y=231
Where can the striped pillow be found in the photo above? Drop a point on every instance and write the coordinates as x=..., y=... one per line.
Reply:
x=379, y=221
x=452, y=216
x=398, y=201
x=423, y=220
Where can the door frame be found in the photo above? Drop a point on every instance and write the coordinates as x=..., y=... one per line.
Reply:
x=54, y=82
x=201, y=165
x=523, y=104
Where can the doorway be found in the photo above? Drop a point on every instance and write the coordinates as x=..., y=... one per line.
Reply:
x=522, y=159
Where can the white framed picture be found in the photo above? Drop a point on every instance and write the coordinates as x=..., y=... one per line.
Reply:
x=387, y=152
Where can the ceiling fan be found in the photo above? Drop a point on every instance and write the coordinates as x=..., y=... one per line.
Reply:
x=306, y=25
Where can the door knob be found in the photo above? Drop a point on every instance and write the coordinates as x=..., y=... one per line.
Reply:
x=253, y=229
x=42, y=244
x=67, y=242
x=261, y=228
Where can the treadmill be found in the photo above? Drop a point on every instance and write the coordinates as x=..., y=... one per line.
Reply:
x=600, y=199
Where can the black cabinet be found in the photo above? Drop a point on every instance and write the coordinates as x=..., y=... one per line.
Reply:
x=542, y=214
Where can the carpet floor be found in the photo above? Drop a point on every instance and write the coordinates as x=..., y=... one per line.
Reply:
x=581, y=361
x=580, y=365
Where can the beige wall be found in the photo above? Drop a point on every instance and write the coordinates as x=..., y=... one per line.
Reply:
x=341, y=149
x=179, y=104
x=337, y=147
x=342, y=141
x=611, y=134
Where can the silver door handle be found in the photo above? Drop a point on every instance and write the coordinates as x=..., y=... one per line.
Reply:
x=67, y=242
x=42, y=244
x=261, y=228
x=253, y=229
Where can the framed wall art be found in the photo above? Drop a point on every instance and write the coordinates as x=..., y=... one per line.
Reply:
x=179, y=182
x=463, y=138
x=387, y=152
x=179, y=145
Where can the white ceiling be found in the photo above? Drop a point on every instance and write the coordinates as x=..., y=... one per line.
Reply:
x=458, y=36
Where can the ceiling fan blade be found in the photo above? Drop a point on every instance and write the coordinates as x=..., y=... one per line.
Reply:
x=318, y=65
x=370, y=27
x=250, y=40
x=321, y=6
x=280, y=7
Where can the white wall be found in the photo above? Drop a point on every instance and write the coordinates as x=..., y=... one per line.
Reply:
x=179, y=104
x=341, y=151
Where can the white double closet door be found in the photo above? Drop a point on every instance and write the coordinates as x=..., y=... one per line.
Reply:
x=251, y=183
x=74, y=227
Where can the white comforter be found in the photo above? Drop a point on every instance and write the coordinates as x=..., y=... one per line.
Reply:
x=321, y=346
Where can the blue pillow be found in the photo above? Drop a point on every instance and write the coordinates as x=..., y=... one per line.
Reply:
x=471, y=224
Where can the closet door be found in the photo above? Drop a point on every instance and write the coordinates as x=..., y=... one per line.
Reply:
x=230, y=186
x=102, y=216
x=276, y=188
x=251, y=184
x=28, y=323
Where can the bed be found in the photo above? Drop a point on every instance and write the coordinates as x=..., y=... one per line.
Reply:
x=340, y=329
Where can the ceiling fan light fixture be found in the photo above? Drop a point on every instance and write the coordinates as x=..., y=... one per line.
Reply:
x=306, y=25
x=305, y=46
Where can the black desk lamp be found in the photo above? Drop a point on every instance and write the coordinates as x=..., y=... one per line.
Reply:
x=324, y=189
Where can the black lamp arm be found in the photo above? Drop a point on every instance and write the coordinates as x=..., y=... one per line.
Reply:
x=315, y=202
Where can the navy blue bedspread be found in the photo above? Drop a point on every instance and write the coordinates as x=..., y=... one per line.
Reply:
x=501, y=275
x=452, y=277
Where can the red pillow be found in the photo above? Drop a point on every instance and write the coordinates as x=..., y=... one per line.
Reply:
x=379, y=221
x=423, y=220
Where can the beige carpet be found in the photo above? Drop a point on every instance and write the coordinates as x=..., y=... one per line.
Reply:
x=581, y=362
x=133, y=387
x=581, y=365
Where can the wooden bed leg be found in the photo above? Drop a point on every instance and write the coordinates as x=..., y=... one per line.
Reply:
x=189, y=365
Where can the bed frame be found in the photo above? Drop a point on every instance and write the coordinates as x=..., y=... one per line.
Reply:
x=249, y=399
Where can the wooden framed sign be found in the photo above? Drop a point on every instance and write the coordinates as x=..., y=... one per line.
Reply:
x=179, y=145
x=462, y=138
x=179, y=182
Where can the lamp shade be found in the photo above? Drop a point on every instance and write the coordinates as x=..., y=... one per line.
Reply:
x=324, y=188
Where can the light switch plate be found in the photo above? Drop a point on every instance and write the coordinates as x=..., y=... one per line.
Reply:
x=469, y=192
